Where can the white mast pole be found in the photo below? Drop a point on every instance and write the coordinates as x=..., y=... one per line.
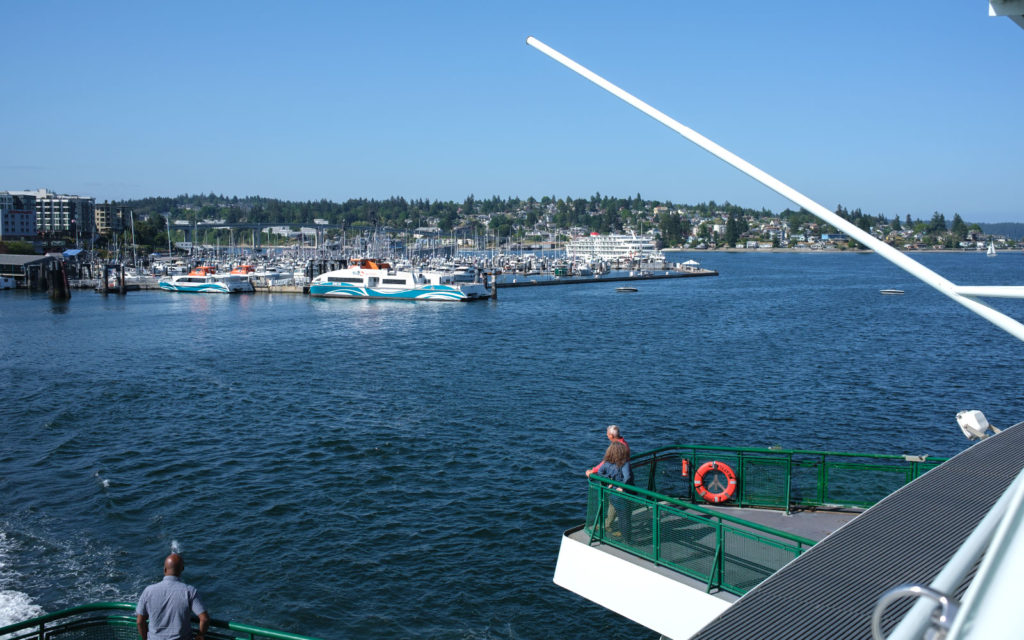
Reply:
x=916, y=269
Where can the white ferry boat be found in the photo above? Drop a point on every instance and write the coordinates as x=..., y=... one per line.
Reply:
x=366, y=278
x=207, y=280
x=614, y=248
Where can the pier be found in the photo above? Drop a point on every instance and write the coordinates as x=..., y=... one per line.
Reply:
x=547, y=280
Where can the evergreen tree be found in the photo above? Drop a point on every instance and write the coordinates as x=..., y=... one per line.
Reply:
x=958, y=228
x=732, y=234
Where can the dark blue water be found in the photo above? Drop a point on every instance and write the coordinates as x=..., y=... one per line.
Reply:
x=352, y=468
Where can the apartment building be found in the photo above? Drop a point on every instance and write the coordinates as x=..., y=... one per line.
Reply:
x=17, y=217
x=56, y=213
x=110, y=219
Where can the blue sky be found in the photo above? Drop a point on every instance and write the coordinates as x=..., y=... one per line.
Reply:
x=894, y=108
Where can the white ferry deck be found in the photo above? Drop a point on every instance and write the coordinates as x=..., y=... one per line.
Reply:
x=661, y=598
x=831, y=590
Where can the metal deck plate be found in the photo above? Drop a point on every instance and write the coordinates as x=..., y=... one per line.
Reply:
x=831, y=590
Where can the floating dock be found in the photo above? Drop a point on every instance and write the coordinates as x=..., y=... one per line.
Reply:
x=504, y=281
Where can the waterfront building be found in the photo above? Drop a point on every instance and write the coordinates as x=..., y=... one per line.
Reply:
x=110, y=219
x=17, y=217
x=27, y=271
x=57, y=213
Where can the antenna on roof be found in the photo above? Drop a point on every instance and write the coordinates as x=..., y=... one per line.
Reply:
x=966, y=296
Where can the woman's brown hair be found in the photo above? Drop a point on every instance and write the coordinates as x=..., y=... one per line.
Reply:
x=617, y=454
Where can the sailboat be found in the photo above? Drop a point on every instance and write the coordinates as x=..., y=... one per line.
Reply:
x=991, y=253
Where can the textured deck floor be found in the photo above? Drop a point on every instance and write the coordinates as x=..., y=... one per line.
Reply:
x=831, y=590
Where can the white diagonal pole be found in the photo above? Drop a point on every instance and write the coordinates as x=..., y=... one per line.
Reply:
x=888, y=252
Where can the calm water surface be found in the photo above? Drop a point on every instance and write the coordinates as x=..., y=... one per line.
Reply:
x=375, y=469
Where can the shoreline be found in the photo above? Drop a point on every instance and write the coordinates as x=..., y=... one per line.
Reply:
x=825, y=251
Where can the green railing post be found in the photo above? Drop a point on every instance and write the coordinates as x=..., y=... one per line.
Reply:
x=691, y=462
x=656, y=531
x=822, y=479
x=719, y=555
x=595, y=533
x=739, y=479
x=789, y=482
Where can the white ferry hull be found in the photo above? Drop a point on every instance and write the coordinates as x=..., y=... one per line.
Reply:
x=207, y=284
x=657, y=602
x=382, y=284
x=428, y=292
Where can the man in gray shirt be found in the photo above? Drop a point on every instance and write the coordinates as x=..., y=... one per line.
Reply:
x=165, y=609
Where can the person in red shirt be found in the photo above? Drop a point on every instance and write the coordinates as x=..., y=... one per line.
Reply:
x=614, y=435
x=615, y=465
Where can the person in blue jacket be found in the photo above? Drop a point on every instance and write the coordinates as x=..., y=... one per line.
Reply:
x=615, y=465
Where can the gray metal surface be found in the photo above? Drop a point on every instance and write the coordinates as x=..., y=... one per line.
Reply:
x=831, y=590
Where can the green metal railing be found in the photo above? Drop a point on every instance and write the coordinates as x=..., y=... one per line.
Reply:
x=662, y=519
x=782, y=478
x=116, y=621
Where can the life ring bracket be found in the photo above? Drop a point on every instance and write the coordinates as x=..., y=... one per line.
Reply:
x=719, y=491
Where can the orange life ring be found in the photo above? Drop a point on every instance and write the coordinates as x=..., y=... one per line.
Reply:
x=722, y=494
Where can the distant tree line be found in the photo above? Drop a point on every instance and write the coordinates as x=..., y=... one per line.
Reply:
x=507, y=217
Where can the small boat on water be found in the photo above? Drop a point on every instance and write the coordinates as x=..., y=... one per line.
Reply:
x=891, y=292
x=626, y=289
x=366, y=278
x=271, y=277
x=205, y=279
x=991, y=253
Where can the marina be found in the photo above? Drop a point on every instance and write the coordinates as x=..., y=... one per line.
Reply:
x=270, y=279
